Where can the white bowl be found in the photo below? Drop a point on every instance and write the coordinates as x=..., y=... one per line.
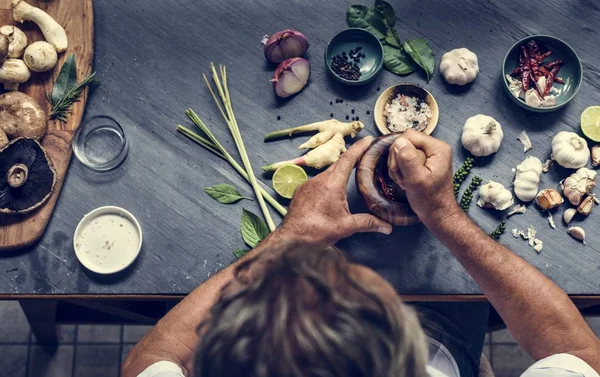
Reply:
x=107, y=240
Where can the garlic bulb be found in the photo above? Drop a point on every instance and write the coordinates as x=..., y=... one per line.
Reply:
x=494, y=195
x=548, y=199
x=570, y=150
x=578, y=184
x=482, y=135
x=527, y=178
x=595, y=155
x=459, y=66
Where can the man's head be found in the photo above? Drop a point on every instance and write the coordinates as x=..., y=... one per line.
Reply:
x=304, y=312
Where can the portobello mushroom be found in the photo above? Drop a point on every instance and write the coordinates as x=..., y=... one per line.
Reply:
x=27, y=176
x=20, y=116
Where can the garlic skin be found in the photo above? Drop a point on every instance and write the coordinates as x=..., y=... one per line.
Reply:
x=569, y=214
x=459, y=66
x=525, y=140
x=595, y=155
x=548, y=199
x=578, y=233
x=587, y=205
x=570, y=150
x=578, y=184
x=527, y=179
x=482, y=135
x=494, y=195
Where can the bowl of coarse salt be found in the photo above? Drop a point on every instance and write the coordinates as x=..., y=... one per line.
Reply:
x=404, y=106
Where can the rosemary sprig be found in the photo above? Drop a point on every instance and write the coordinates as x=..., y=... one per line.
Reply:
x=62, y=108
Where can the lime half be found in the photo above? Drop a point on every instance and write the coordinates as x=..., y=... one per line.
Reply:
x=590, y=123
x=287, y=179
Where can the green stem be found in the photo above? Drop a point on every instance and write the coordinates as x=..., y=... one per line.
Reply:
x=227, y=157
x=288, y=132
x=276, y=165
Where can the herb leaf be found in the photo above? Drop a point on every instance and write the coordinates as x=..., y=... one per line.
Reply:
x=392, y=38
x=67, y=79
x=253, y=229
x=421, y=53
x=396, y=61
x=240, y=253
x=224, y=193
x=364, y=18
x=386, y=11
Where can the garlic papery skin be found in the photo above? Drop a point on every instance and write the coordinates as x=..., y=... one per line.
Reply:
x=482, y=135
x=459, y=66
x=578, y=184
x=578, y=233
x=494, y=195
x=587, y=205
x=527, y=179
x=570, y=150
x=548, y=199
x=569, y=214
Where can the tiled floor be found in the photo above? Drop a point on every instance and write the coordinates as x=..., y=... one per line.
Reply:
x=98, y=350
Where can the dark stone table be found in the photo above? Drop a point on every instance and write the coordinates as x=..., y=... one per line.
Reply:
x=150, y=56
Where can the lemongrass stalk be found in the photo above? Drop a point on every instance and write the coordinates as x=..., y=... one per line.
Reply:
x=229, y=116
x=227, y=157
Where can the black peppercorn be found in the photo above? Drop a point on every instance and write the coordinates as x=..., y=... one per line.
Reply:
x=352, y=111
x=331, y=115
x=278, y=117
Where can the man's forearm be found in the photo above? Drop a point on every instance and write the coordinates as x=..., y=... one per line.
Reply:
x=537, y=312
x=175, y=336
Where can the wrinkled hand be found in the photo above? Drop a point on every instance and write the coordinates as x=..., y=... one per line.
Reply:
x=319, y=213
x=422, y=165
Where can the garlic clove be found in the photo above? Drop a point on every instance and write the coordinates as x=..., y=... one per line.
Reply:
x=587, y=205
x=569, y=214
x=578, y=233
x=548, y=199
x=595, y=155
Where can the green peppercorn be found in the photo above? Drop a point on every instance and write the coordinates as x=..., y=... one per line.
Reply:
x=465, y=201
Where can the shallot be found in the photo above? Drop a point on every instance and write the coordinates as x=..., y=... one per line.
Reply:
x=291, y=77
x=285, y=44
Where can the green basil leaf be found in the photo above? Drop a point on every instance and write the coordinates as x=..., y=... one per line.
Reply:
x=396, y=61
x=387, y=11
x=392, y=38
x=421, y=53
x=240, y=253
x=363, y=17
x=254, y=228
x=67, y=79
x=224, y=193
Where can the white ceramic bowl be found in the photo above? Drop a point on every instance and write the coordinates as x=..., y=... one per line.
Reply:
x=107, y=240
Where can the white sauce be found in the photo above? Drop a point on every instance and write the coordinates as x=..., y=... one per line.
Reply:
x=109, y=241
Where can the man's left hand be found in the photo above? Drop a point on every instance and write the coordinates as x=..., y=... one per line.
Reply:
x=319, y=213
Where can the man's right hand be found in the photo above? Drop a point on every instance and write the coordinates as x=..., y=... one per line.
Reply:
x=422, y=165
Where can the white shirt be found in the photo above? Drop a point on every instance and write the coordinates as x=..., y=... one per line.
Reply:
x=559, y=365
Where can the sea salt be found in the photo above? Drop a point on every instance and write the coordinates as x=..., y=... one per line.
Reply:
x=405, y=112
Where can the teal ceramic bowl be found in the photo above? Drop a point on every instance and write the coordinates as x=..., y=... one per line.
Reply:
x=348, y=40
x=571, y=72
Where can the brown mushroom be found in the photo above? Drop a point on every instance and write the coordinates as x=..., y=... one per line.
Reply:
x=27, y=176
x=13, y=72
x=21, y=116
x=381, y=195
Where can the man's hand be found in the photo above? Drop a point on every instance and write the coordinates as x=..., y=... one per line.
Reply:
x=319, y=212
x=422, y=165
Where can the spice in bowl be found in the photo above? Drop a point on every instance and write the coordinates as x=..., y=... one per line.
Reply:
x=532, y=80
x=405, y=112
x=346, y=64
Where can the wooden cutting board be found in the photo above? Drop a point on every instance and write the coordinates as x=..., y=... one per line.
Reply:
x=77, y=17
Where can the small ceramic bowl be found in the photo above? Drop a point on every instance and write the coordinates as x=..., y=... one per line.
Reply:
x=571, y=72
x=372, y=166
x=348, y=40
x=107, y=240
x=410, y=90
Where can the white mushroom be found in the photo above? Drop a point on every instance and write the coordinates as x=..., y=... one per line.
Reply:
x=12, y=73
x=17, y=40
x=40, y=56
x=53, y=32
x=3, y=48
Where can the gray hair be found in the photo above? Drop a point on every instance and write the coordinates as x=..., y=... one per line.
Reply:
x=299, y=313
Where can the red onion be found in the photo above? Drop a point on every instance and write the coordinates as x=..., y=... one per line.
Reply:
x=291, y=77
x=285, y=44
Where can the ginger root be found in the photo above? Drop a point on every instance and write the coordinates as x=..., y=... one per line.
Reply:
x=323, y=155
